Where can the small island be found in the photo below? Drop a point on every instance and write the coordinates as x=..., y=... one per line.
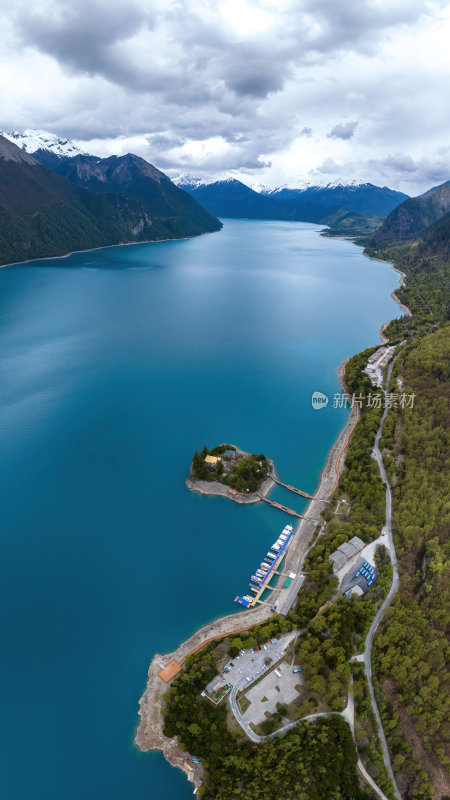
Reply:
x=230, y=472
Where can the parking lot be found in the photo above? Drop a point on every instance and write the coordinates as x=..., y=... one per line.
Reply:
x=249, y=664
x=266, y=688
x=349, y=579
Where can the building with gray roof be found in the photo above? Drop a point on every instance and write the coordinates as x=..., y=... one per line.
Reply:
x=346, y=551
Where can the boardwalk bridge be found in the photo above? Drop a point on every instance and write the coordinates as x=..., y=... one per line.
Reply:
x=296, y=491
x=287, y=510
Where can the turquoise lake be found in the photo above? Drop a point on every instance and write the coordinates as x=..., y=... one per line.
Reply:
x=115, y=365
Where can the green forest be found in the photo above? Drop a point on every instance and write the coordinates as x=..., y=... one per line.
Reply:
x=410, y=654
x=411, y=650
x=295, y=766
x=241, y=473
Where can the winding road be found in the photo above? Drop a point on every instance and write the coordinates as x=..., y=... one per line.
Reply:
x=387, y=530
x=366, y=657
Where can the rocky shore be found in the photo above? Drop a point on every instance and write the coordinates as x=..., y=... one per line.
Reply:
x=221, y=490
x=149, y=734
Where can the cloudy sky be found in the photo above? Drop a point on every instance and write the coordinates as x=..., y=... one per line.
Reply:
x=265, y=90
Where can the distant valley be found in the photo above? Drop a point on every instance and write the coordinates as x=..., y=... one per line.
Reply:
x=346, y=208
x=55, y=198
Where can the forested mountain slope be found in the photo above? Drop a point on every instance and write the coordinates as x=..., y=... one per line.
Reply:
x=412, y=650
x=170, y=207
x=43, y=214
x=411, y=219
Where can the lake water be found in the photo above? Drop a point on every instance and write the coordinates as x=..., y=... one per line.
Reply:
x=115, y=365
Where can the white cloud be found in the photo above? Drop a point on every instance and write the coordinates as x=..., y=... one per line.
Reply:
x=231, y=87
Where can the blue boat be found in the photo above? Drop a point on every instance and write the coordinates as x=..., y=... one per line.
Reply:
x=242, y=601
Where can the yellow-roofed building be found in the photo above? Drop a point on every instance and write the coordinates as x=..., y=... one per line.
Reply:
x=212, y=460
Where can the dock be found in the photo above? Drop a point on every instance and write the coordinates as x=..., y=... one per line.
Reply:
x=286, y=509
x=296, y=491
x=264, y=581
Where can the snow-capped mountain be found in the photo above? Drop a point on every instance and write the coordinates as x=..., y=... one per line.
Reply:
x=232, y=198
x=183, y=179
x=261, y=188
x=302, y=185
x=32, y=140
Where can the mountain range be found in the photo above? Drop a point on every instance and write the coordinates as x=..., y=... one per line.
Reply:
x=43, y=213
x=232, y=198
x=55, y=198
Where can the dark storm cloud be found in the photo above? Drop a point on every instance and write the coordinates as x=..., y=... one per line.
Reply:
x=80, y=34
x=86, y=36
x=255, y=83
x=343, y=130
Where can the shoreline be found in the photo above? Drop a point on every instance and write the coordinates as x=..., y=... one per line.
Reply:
x=395, y=298
x=217, y=489
x=149, y=734
x=104, y=247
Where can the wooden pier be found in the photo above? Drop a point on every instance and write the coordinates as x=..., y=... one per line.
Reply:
x=297, y=491
x=286, y=509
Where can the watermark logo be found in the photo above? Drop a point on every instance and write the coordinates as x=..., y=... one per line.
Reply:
x=319, y=400
x=376, y=400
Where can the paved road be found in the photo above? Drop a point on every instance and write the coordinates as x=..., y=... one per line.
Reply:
x=370, y=780
x=252, y=735
x=348, y=713
x=387, y=530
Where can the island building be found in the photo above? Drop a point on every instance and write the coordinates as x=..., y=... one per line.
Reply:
x=345, y=552
x=212, y=460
